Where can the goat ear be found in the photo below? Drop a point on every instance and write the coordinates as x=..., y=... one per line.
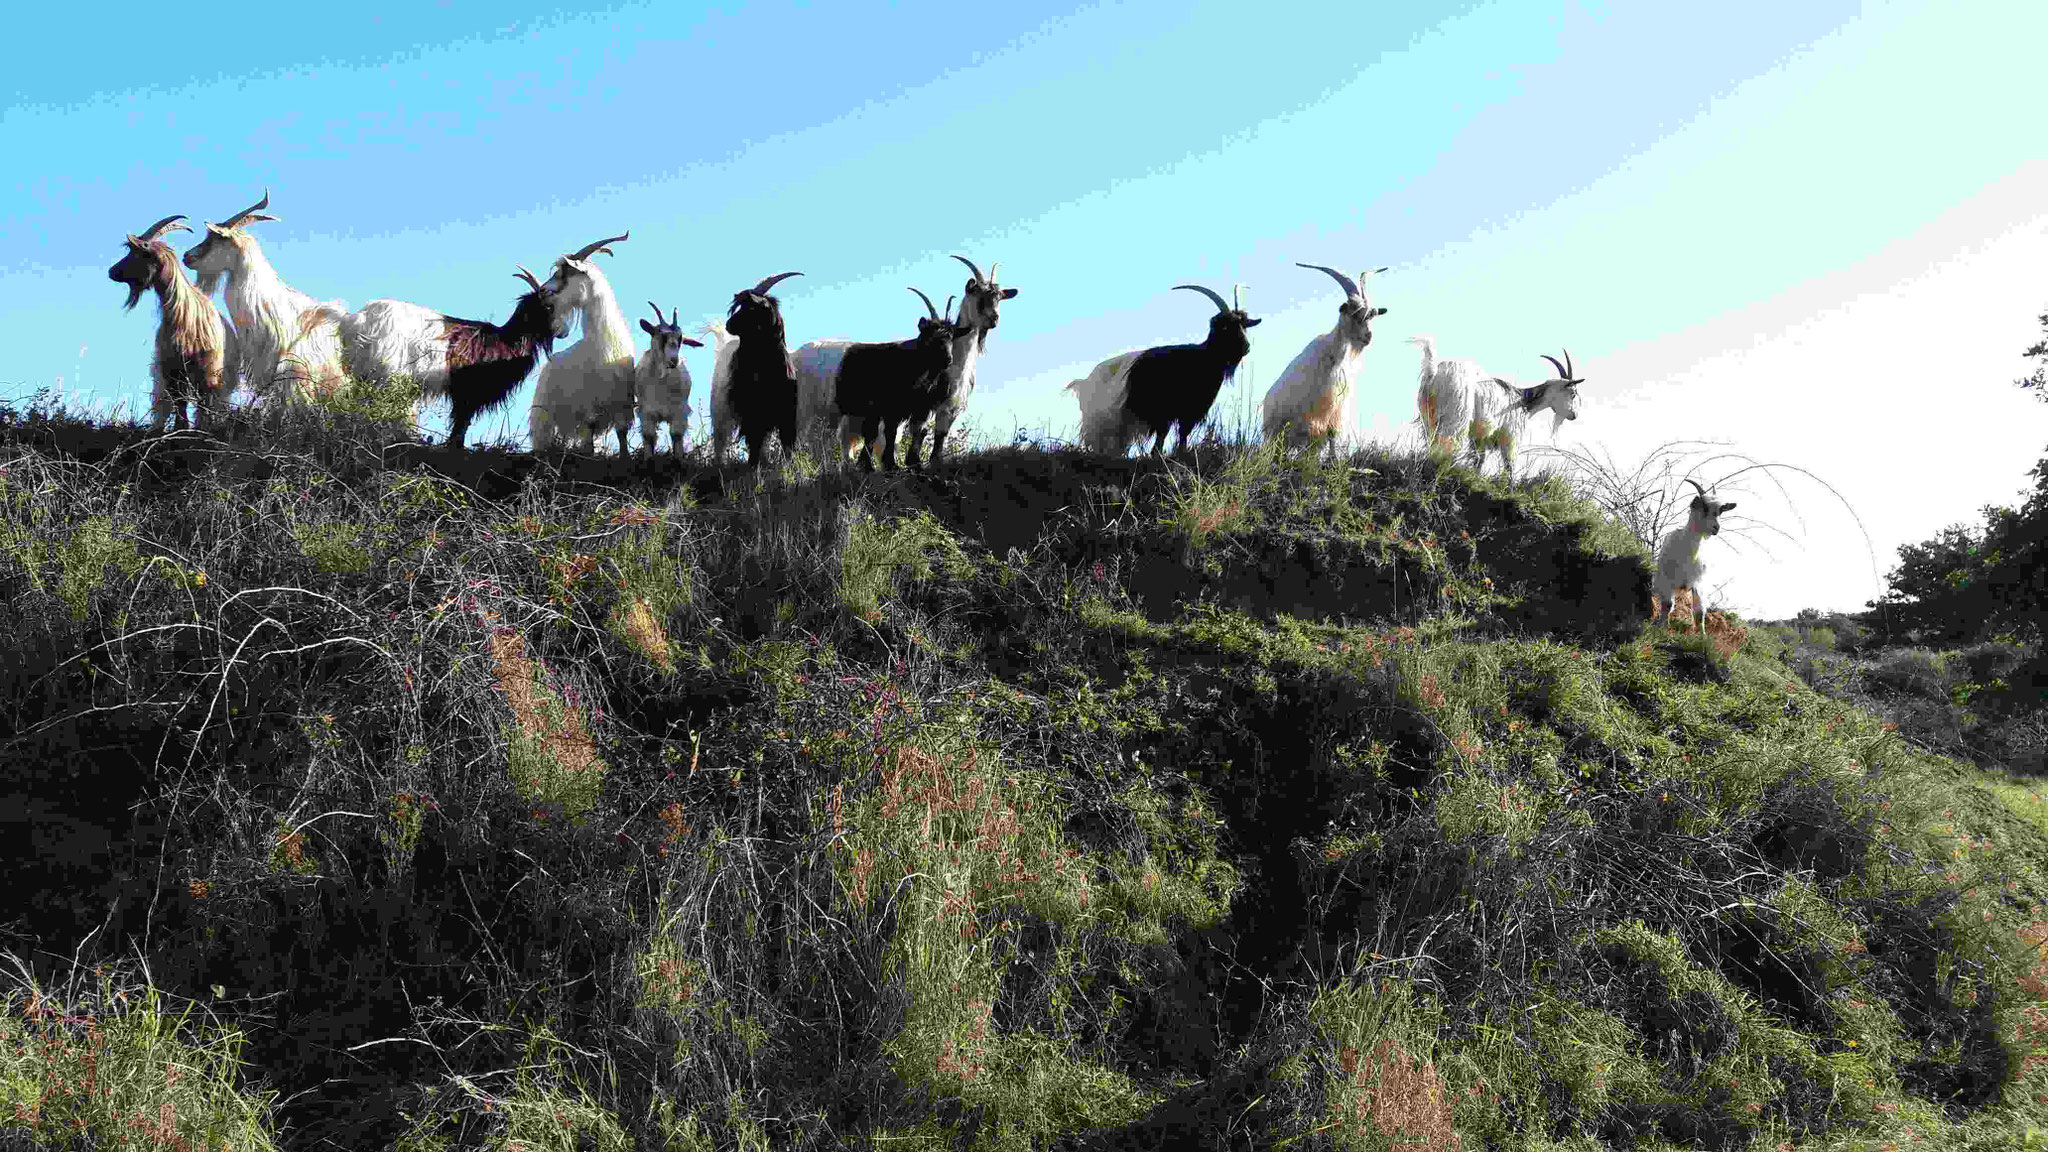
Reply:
x=1724, y=508
x=1255, y=323
x=647, y=328
x=687, y=340
x=1379, y=311
x=255, y=217
x=1008, y=293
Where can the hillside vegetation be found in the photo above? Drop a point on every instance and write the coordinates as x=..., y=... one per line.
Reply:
x=380, y=799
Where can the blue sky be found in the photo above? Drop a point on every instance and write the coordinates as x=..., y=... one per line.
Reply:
x=1816, y=232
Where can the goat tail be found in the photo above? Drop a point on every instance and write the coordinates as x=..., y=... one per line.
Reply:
x=1428, y=346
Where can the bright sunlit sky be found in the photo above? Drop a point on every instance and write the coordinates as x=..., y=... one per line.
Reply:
x=1817, y=232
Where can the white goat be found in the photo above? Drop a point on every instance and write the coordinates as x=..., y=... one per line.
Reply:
x=1455, y=394
x=283, y=339
x=189, y=354
x=1313, y=397
x=661, y=382
x=723, y=419
x=1678, y=556
x=588, y=388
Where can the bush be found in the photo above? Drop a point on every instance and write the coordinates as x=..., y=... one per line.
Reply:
x=1914, y=670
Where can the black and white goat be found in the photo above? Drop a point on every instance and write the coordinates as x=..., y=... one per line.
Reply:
x=188, y=360
x=588, y=388
x=754, y=389
x=287, y=343
x=980, y=310
x=877, y=387
x=475, y=364
x=1678, y=556
x=1154, y=390
x=1313, y=398
x=1457, y=395
x=661, y=382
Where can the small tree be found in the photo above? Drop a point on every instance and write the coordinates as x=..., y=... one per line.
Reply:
x=2039, y=354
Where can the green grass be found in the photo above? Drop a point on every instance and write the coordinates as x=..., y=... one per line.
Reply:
x=1067, y=802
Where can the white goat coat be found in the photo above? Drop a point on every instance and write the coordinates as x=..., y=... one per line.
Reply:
x=817, y=391
x=662, y=393
x=1105, y=426
x=588, y=389
x=288, y=344
x=1315, y=391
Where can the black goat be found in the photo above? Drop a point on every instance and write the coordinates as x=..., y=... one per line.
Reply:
x=476, y=364
x=882, y=385
x=1158, y=389
x=759, y=386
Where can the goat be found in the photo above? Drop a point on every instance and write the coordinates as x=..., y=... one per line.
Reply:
x=1454, y=394
x=589, y=387
x=282, y=337
x=723, y=343
x=980, y=307
x=189, y=359
x=1313, y=397
x=476, y=364
x=879, y=386
x=661, y=382
x=1155, y=389
x=1678, y=556
x=754, y=390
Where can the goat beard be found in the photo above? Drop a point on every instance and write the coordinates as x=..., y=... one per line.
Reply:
x=209, y=282
x=134, y=294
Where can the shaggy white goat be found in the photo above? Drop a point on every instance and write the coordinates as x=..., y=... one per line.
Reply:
x=188, y=360
x=1313, y=397
x=661, y=382
x=285, y=341
x=1678, y=556
x=588, y=388
x=1457, y=394
x=723, y=419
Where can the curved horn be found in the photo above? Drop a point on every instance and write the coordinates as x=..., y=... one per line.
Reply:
x=1220, y=305
x=251, y=210
x=992, y=271
x=1570, y=373
x=949, y=309
x=927, y=304
x=1696, y=484
x=584, y=252
x=972, y=268
x=658, y=321
x=1349, y=285
x=164, y=225
x=523, y=274
x=674, y=318
x=763, y=287
x=1562, y=374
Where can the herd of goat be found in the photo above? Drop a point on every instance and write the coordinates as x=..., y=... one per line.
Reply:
x=282, y=345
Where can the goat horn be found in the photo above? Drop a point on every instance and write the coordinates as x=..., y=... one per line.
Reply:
x=1220, y=305
x=584, y=252
x=1696, y=484
x=164, y=225
x=992, y=271
x=674, y=318
x=523, y=274
x=971, y=268
x=657, y=313
x=927, y=304
x=251, y=210
x=1570, y=373
x=1349, y=285
x=772, y=281
x=949, y=309
x=1562, y=373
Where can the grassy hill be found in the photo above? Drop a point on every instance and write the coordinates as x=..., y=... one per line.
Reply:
x=378, y=799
